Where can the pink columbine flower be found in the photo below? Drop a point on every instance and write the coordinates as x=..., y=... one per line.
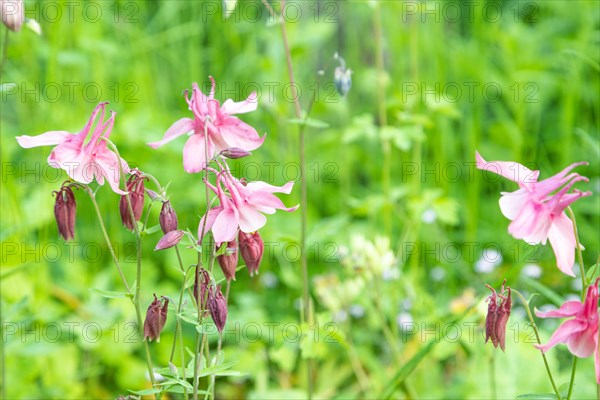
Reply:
x=581, y=333
x=224, y=131
x=83, y=161
x=242, y=208
x=536, y=214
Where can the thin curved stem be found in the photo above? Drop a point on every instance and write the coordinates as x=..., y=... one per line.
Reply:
x=537, y=337
x=303, y=193
x=106, y=239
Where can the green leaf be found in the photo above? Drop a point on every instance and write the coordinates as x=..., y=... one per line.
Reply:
x=179, y=389
x=145, y=392
x=190, y=278
x=109, y=293
x=151, y=230
x=188, y=318
x=220, y=370
x=592, y=274
x=310, y=122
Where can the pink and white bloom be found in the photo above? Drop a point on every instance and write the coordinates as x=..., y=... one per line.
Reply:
x=83, y=161
x=223, y=130
x=581, y=333
x=242, y=207
x=536, y=214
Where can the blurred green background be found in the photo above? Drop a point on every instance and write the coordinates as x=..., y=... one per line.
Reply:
x=403, y=230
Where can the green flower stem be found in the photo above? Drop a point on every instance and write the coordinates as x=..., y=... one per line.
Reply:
x=201, y=339
x=212, y=377
x=382, y=117
x=116, y=261
x=303, y=188
x=106, y=239
x=582, y=272
x=138, y=282
x=178, y=328
x=537, y=337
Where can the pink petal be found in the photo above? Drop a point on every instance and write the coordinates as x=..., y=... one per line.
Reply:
x=179, y=127
x=509, y=169
x=239, y=134
x=248, y=105
x=532, y=223
x=267, y=203
x=210, y=216
x=67, y=156
x=194, y=153
x=562, y=239
x=81, y=171
x=226, y=226
x=50, y=138
x=562, y=334
x=260, y=186
x=109, y=168
x=250, y=219
x=583, y=344
x=512, y=203
x=567, y=309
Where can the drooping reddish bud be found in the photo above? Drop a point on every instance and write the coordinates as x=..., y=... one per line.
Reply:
x=169, y=240
x=235, y=152
x=135, y=187
x=167, y=218
x=156, y=316
x=64, y=212
x=497, y=316
x=201, y=287
x=251, y=249
x=217, y=306
x=229, y=261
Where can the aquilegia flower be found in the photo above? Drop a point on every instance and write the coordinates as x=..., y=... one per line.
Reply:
x=497, y=316
x=536, y=214
x=242, y=207
x=224, y=131
x=581, y=333
x=83, y=161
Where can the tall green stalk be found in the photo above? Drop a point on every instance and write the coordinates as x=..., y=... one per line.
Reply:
x=306, y=315
x=537, y=337
x=382, y=117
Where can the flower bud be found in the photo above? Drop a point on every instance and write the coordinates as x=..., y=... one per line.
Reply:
x=135, y=187
x=235, y=152
x=156, y=316
x=342, y=80
x=204, y=278
x=229, y=261
x=217, y=305
x=152, y=194
x=251, y=249
x=12, y=13
x=64, y=212
x=169, y=240
x=167, y=218
x=497, y=316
